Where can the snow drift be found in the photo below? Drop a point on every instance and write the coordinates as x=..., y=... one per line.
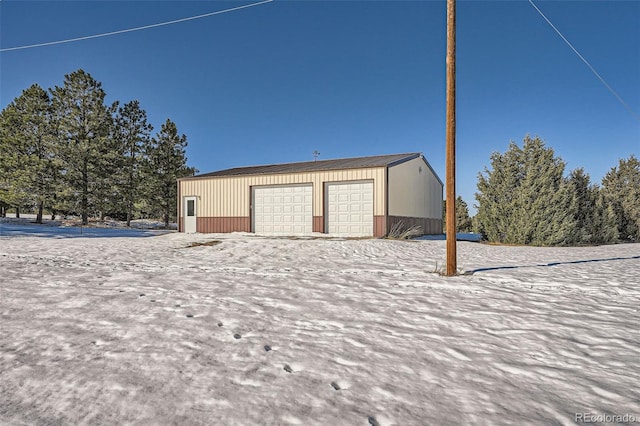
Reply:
x=255, y=330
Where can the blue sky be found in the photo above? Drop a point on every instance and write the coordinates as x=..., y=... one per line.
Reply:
x=272, y=83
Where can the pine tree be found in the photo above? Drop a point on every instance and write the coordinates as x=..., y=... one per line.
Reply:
x=463, y=221
x=28, y=163
x=525, y=199
x=133, y=135
x=68, y=153
x=497, y=189
x=605, y=225
x=166, y=163
x=583, y=204
x=12, y=192
x=546, y=215
x=105, y=193
x=621, y=189
x=83, y=123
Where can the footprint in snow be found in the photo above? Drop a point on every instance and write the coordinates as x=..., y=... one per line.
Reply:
x=288, y=369
x=373, y=421
x=189, y=315
x=236, y=336
x=219, y=324
x=267, y=348
x=335, y=385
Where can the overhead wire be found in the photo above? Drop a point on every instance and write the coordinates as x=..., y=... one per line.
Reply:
x=145, y=27
x=205, y=15
x=593, y=70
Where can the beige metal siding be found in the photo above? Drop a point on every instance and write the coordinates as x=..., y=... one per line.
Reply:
x=414, y=190
x=229, y=196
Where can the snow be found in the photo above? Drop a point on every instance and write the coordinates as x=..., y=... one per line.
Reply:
x=65, y=228
x=258, y=330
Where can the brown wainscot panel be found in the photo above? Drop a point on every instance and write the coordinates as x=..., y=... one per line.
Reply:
x=318, y=224
x=379, y=226
x=436, y=226
x=429, y=226
x=207, y=225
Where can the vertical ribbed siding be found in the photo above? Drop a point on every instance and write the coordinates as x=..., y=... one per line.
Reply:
x=379, y=226
x=429, y=226
x=223, y=224
x=414, y=190
x=179, y=208
x=318, y=224
x=230, y=196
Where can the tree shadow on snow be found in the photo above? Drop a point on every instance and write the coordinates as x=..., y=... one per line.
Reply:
x=569, y=262
x=33, y=230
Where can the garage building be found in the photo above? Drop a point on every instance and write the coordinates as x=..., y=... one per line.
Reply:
x=361, y=196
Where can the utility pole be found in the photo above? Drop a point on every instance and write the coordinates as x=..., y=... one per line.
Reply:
x=452, y=263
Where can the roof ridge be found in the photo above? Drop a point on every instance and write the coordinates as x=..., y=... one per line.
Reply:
x=314, y=165
x=324, y=160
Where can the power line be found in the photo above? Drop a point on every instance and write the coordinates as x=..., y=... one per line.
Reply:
x=593, y=70
x=145, y=27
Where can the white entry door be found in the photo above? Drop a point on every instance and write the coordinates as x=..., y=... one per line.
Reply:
x=283, y=210
x=350, y=209
x=190, y=215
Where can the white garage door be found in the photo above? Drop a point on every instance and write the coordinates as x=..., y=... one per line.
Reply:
x=350, y=209
x=283, y=210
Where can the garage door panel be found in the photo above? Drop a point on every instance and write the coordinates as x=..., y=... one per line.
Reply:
x=283, y=209
x=350, y=208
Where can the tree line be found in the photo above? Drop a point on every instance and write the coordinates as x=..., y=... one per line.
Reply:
x=65, y=151
x=525, y=198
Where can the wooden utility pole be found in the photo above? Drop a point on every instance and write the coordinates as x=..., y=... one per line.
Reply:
x=452, y=263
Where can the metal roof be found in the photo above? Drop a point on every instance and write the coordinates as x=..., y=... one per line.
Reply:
x=314, y=166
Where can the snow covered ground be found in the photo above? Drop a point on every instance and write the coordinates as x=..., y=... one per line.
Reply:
x=65, y=228
x=250, y=330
